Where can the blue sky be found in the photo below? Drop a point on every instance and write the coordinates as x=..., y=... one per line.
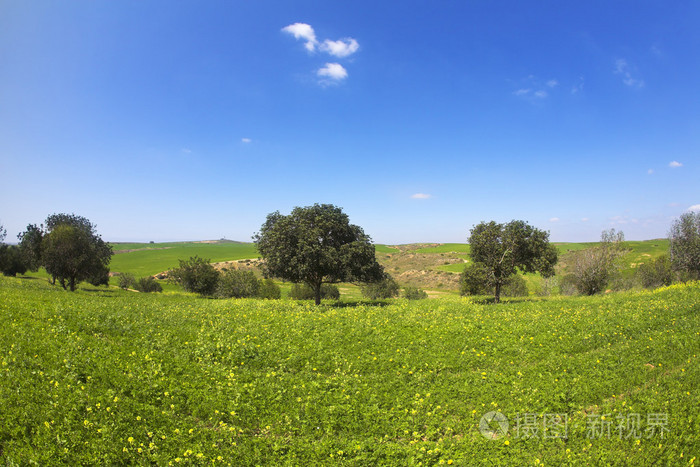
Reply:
x=188, y=120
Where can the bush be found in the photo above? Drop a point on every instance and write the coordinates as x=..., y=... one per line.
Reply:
x=12, y=261
x=656, y=273
x=515, y=286
x=304, y=292
x=386, y=288
x=147, y=285
x=414, y=293
x=196, y=275
x=474, y=280
x=269, y=290
x=237, y=284
x=126, y=281
x=567, y=285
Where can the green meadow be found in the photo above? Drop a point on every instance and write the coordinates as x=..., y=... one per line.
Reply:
x=105, y=376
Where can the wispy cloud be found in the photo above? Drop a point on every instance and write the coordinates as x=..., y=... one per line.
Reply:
x=584, y=219
x=578, y=87
x=186, y=151
x=675, y=164
x=332, y=72
x=246, y=140
x=552, y=83
x=694, y=208
x=534, y=89
x=340, y=48
x=421, y=196
x=554, y=219
x=623, y=69
x=303, y=31
x=650, y=171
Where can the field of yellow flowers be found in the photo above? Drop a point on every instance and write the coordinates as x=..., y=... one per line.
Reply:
x=104, y=376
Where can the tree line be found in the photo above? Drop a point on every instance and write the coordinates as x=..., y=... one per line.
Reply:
x=316, y=246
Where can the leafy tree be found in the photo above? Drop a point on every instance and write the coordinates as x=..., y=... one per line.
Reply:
x=304, y=292
x=414, y=293
x=386, y=288
x=11, y=260
x=684, y=248
x=30, y=244
x=237, y=284
x=3, y=233
x=593, y=268
x=504, y=249
x=196, y=275
x=72, y=251
x=316, y=245
x=71, y=255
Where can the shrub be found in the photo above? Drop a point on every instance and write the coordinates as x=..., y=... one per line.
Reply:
x=126, y=281
x=474, y=280
x=237, y=284
x=196, y=275
x=386, y=288
x=656, y=273
x=414, y=293
x=269, y=290
x=595, y=267
x=147, y=285
x=515, y=286
x=567, y=285
x=304, y=292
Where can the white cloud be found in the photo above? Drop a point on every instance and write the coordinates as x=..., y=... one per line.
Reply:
x=522, y=92
x=340, y=48
x=303, y=31
x=552, y=83
x=246, y=140
x=584, y=219
x=554, y=219
x=186, y=150
x=650, y=171
x=421, y=196
x=675, y=164
x=694, y=208
x=333, y=71
x=622, y=68
x=541, y=94
x=578, y=87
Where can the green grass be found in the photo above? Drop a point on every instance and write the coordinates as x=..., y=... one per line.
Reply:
x=111, y=377
x=155, y=258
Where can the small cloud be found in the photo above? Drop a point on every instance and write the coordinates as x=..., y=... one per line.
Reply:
x=584, y=219
x=246, y=140
x=334, y=72
x=552, y=83
x=303, y=31
x=553, y=219
x=578, y=87
x=421, y=196
x=694, y=208
x=622, y=68
x=340, y=48
x=186, y=151
x=650, y=171
x=674, y=205
x=522, y=92
x=540, y=94
x=675, y=164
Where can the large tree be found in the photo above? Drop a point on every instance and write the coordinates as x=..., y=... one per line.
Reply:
x=30, y=245
x=315, y=245
x=684, y=248
x=504, y=249
x=72, y=251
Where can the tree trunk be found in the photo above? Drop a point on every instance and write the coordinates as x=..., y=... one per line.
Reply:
x=497, y=293
x=317, y=293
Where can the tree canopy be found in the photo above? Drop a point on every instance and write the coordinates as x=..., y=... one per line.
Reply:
x=503, y=249
x=315, y=245
x=72, y=251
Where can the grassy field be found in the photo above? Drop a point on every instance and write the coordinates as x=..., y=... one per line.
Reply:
x=103, y=376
